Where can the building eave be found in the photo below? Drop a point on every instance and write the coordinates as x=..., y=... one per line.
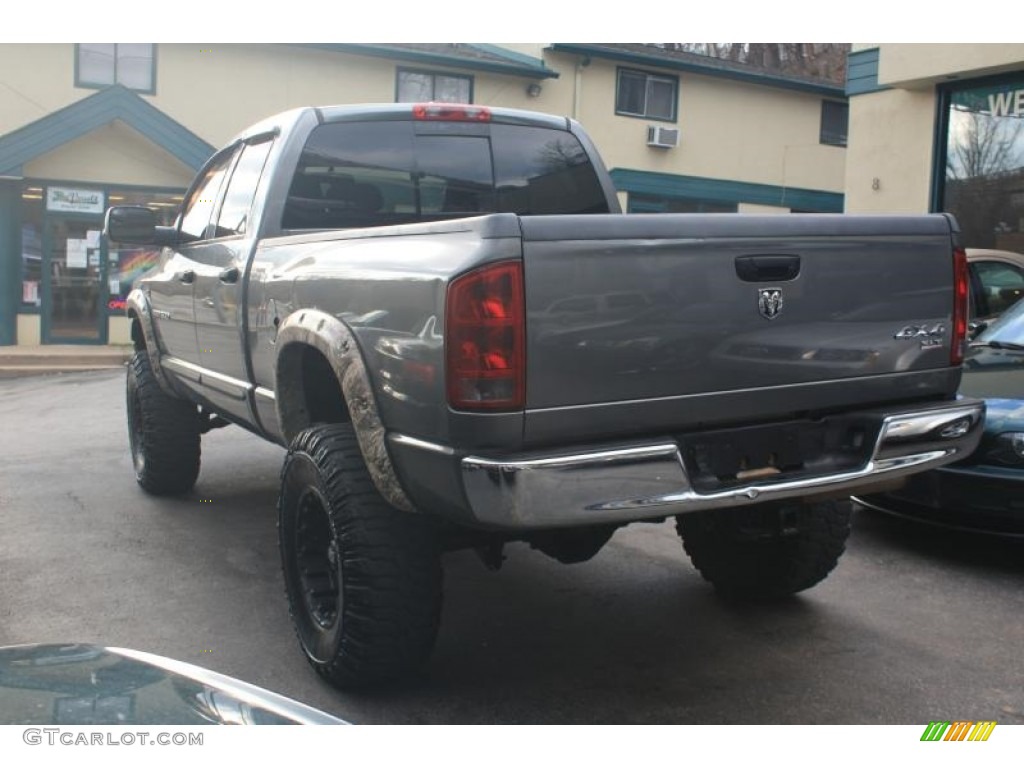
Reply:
x=664, y=62
x=115, y=102
x=518, y=65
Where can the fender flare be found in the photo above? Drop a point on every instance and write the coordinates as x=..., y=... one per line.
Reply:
x=336, y=342
x=138, y=309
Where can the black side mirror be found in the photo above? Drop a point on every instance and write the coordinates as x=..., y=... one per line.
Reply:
x=974, y=328
x=136, y=224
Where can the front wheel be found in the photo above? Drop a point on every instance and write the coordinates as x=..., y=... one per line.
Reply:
x=766, y=551
x=163, y=432
x=363, y=580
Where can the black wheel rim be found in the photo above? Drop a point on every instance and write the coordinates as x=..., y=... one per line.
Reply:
x=317, y=562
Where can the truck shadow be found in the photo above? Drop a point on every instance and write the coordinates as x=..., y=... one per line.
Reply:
x=962, y=547
x=625, y=639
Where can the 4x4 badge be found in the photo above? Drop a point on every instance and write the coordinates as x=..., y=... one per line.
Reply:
x=769, y=302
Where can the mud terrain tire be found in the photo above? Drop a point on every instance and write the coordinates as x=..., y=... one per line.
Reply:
x=163, y=433
x=766, y=551
x=363, y=580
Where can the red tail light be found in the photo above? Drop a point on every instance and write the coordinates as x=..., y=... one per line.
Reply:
x=485, y=339
x=961, y=279
x=466, y=113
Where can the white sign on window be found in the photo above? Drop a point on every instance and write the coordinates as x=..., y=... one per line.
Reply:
x=74, y=200
x=76, y=254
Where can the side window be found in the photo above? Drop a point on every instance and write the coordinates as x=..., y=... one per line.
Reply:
x=395, y=171
x=433, y=86
x=1002, y=284
x=241, y=191
x=835, y=119
x=645, y=94
x=196, y=213
x=132, y=65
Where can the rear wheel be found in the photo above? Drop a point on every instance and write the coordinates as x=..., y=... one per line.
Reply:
x=163, y=432
x=363, y=580
x=766, y=551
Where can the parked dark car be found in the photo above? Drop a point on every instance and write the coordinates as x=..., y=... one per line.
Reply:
x=986, y=491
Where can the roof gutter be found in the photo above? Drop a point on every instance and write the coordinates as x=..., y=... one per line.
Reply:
x=397, y=52
x=665, y=62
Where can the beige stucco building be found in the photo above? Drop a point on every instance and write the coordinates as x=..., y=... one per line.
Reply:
x=89, y=125
x=926, y=119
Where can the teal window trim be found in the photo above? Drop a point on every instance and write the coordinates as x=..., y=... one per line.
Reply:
x=725, y=191
x=862, y=72
x=47, y=336
x=940, y=148
x=80, y=83
x=432, y=73
x=646, y=205
x=648, y=75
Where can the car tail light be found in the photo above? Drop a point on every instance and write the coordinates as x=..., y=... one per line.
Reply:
x=485, y=339
x=961, y=281
x=452, y=112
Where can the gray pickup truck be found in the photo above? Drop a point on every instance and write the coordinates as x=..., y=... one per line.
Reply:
x=442, y=314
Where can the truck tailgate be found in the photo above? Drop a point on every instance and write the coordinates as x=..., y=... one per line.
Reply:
x=645, y=322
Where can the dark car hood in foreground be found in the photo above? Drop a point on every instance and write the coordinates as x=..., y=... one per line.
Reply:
x=91, y=685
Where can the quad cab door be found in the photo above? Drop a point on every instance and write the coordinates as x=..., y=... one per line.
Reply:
x=219, y=292
x=172, y=287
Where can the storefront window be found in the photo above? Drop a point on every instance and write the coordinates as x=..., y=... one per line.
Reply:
x=984, y=174
x=31, y=246
x=125, y=263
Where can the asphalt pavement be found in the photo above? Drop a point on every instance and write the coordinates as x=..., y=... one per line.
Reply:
x=914, y=625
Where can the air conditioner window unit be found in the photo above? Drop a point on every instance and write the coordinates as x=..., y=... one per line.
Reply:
x=660, y=136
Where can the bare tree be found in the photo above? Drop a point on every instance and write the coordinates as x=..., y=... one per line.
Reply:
x=821, y=60
x=982, y=145
x=983, y=173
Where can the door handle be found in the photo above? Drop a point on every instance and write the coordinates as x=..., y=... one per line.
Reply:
x=768, y=267
x=229, y=275
x=187, y=277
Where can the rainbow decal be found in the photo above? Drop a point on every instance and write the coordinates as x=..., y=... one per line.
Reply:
x=132, y=264
x=959, y=730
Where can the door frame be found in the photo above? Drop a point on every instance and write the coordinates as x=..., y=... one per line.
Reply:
x=46, y=315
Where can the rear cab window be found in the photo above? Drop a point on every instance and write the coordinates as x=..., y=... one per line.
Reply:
x=369, y=174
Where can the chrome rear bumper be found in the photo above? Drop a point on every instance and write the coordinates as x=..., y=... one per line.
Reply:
x=628, y=482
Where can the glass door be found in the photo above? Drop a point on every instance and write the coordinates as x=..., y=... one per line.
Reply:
x=74, y=300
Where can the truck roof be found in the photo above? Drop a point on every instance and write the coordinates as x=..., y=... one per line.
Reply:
x=406, y=111
x=340, y=113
